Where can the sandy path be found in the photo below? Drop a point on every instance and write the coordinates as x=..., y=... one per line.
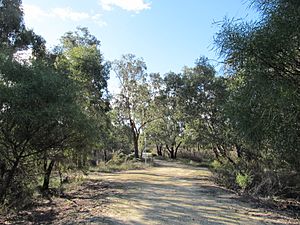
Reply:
x=173, y=193
x=170, y=193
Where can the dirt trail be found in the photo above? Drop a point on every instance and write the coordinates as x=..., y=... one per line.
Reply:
x=170, y=193
x=174, y=193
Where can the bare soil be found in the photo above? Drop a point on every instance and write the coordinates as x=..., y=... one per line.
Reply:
x=169, y=193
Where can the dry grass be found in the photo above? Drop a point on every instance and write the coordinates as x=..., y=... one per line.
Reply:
x=113, y=167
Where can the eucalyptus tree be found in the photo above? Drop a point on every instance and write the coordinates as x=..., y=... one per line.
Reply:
x=134, y=102
x=154, y=129
x=172, y=113
x=203, y=96
x=80, y=59
x=168, y=128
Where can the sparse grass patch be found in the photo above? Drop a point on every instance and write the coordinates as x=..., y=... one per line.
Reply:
x=119, y=162
x=111, y=167
x=206, y=164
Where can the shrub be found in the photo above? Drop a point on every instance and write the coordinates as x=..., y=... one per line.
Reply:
x=243, y=180
x=117, y=158
x=120, y=161
x=224, y=173
x=128, y=165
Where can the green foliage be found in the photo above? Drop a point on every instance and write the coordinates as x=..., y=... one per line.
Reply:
x=133, y=103
x=243, y=180
x=39, y=114
x=167, y=129
x=203, y=97
x=11, y=22
x=13, y=33
x=215, y=164
x=80, y=60
x=263, y=94
x=120, y=135
x=49, y=113
x=79, y=57
x=117, y=158
x=225, y=173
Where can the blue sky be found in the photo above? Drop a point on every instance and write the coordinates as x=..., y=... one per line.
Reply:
x=167, y=34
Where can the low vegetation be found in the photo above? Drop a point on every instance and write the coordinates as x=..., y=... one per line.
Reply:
x=119, y=162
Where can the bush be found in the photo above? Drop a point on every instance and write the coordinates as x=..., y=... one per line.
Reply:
x=225, y=174
x=20, y=192
x=120, y=161
x=130, y=157
x=243, y=180
x=117, y=158
x=254, y=179
x=276, y=183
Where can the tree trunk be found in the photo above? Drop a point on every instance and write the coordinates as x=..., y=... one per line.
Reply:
x=136, y=146
x=105, y=155
x=176, y=150
x=135, y=136
x=159, y=149
x=171, y=152
x=47, y=175
x=172, y=156
x=8, y=180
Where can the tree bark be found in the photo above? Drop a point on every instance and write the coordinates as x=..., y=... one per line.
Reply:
x=159, y=149
x=176, y=150
x=172, y=156
x=171, y=151
x=135, y=136
x=105, y=155
x=136, y=146
x=47, y=175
